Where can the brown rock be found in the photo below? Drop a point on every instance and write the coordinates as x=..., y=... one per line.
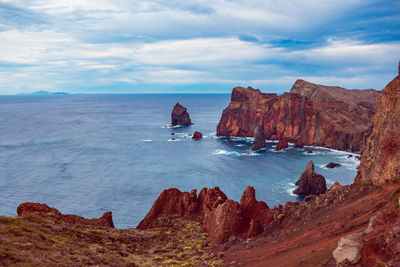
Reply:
x=282, y=144
x=332, y=165
x=225, y=221
x=259, y=137
x=310, y=114
x=45, y=211
x=180, y=116
x=380, y=162
x=310, y=182
x=253, y=209
x=197, y=135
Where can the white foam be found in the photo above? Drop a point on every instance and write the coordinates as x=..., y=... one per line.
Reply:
x=147, y=140
x=225, y=152
x=250, y=154
x=173, y=140
x=290, y=192
x=239, y=145
x=172, y=127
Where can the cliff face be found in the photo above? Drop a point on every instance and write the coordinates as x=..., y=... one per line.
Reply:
x=380, y=161
x=310, y=114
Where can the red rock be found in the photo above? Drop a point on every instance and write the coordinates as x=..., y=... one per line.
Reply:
x=381, y=159
x=310, y=114
x=197, y=135
x=180, y=116
x=225, y=221
x=310, y=182
x=45, y=211
x=282, y=144
x=253, y=209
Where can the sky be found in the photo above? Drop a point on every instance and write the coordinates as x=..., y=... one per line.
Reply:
x=121, y=46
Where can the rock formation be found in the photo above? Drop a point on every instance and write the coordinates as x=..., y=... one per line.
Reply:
x=197, y=135
x=310, y=182
x=332, y=165
x=45, y=211
x=282, y=144
x=259, y=137
x=180, y=116
x=380, y=162
x=220, y=218
x=310, y=114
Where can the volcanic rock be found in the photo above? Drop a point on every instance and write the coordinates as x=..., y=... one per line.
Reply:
x=310, y=182
x=197, y=135
x=380, y=162
x=332, y=165
x=180, y=116
x=259, y=137
x=282, y=144
x=349, y=249
x=253, y=209
x=48, y=212
x=310, y=114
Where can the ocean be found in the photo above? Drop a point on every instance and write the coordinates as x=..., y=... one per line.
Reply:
x=87, y=154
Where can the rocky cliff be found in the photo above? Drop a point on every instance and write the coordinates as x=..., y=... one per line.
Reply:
x=310, y=114
x=380, y=161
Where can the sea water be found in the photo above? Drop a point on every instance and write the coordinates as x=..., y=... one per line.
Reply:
x=87, y=154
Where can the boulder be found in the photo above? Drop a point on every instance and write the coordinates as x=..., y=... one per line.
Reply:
x=282, y=144
x=259, y=137
x=349, y=249
x=332, y=165
x=310, y=182
x=197, y=135
x=48, y=212
x=180, y=116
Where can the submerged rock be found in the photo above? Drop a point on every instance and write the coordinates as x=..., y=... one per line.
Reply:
x=332, y=165
x=197, y=135
x=310, y=182
x=180, y=116
x=48, y=212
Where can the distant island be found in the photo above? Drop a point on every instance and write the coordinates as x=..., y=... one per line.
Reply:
x=45, y=93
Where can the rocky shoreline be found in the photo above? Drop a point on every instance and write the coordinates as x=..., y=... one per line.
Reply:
x=354, y=225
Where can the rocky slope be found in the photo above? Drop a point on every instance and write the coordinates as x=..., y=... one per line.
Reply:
x=380, y=162
x=310, y=114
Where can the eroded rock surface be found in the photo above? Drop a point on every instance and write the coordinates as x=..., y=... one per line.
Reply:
x=44, y=210
x=310, y=114
x=259, y=137
x=380, y=162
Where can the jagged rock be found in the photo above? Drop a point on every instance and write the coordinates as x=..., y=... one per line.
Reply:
x=349, y=249
x=310, y=114
x=171, y=202
x=44, y=210
x=380, y=162
x=259, y=137
x=309, y=151
x=225, y=221
x=332, y=165
x=197, y=135
x=218, y=218
x=310, y=182
x=180, y=116
x=282, y=144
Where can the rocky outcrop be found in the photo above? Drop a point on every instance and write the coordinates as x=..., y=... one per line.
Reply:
x=310, y=114
x=48, y=212
x=332, y=165
x=282, y=144
x=349, y=248
x=310, y=182
x=180, y=116
x=259, y=137
x=380, y=162
x=197, y=135
x=219, y=217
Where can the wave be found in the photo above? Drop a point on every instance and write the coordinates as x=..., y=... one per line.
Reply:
x=147, y=140
x=173, y=140
x=172, y=127
x=290, y=191
x=227, y=153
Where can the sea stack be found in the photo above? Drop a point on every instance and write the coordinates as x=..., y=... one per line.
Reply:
x=282, y=144
x=180, y=116
x=310, y=182
x=197, y=135
x=259, y=137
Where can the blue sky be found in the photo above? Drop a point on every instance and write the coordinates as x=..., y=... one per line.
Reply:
x=120, y=46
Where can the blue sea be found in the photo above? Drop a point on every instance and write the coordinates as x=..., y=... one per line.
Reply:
x=87, y=154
